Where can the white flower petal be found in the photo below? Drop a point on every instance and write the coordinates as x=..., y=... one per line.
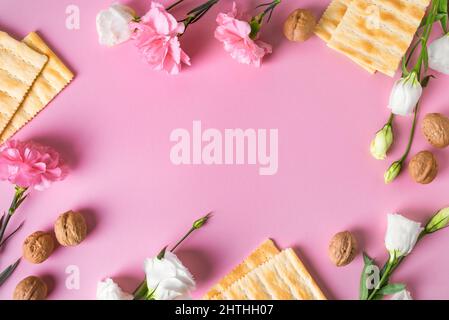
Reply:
x=405, y=95
x=439, y=55
x=109, y=290
x=112, y=24
x=156, y=269
x=401, y=295
x=402, y=234
x=168, y=277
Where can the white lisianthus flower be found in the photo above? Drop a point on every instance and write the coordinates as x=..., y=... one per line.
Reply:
x=167, y=278
x=402, y=295
x=109, y=290
x=113, y=24
x=405, y=95
x=382, y=142
x=401, y=235
x=439, y=54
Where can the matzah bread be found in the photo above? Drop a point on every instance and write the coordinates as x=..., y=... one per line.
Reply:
x=283, y=277
x=377, y=33
x=19, y=67
x=329, y=22
x=331, y=19
x=52, y=80
x=263, y=253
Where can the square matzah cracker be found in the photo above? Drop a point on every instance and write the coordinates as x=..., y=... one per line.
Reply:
x=377, y=33
x=329, y=22
x=52, y=80
x=19, y=67
x=331, y=19
x=263, y=253
x=283, y=277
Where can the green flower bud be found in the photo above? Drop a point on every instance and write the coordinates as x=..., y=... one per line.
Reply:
x=393, y=171
x=201, y=221
x=439, y=221
x=382, y=142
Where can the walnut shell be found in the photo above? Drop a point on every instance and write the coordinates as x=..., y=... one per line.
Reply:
x=38, y=246
x=423, y=167
x=342, y=248
x=435, y=128
x=31, y=288
x=299, y=25
x=70, y=228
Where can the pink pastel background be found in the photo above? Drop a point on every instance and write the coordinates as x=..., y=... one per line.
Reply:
x=113, y=122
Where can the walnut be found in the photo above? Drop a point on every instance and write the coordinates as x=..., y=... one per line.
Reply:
x=423, y=167
x=435, y=128
x=342, y=248
x=38, y=246
x=299, y=25
x=31, y=288
x=70, y=228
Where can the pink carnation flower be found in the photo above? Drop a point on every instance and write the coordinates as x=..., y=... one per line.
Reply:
x=234, y=34
x=157, y=39
x=28, y=164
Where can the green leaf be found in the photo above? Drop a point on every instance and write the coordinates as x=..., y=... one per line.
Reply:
x=378, y=296
x=443, y=15
x=11, y=234
x=425, y=80
x=442, y=8
x=141, y=291
x=4, y=275
x=364, y=292
x=391, y=288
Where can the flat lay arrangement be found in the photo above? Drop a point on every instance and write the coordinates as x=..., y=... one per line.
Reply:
x=87, y=123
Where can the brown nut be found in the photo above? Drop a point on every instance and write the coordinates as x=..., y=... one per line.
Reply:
x=70, y=228
x=435, y=128
x=38, y=246
x=31, y=288
x=299, y=25
x=423, y=167
x=342, y=248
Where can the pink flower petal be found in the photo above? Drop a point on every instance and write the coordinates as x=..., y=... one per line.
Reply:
x=234, y=34
x=157, y=39
x=28, y=164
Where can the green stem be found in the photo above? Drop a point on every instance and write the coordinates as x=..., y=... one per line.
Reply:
x=268, y=10
x=412, y=135
x=19, y=197
x=418, y=66
x=142, y=289
x=426, y=34
x=385, y=277
x=182, y=239
x=197, y=13
x=173, y=5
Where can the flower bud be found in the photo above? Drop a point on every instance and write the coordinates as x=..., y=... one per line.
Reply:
x=112, y=24
x=392, y=172
x=405, y=95
x=201, y=221
x=439, y=221
x=439, y=54
x=382, y=142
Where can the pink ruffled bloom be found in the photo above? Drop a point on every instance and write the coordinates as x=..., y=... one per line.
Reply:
x=157, y=39
x=30, y=165
x=234, y=34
